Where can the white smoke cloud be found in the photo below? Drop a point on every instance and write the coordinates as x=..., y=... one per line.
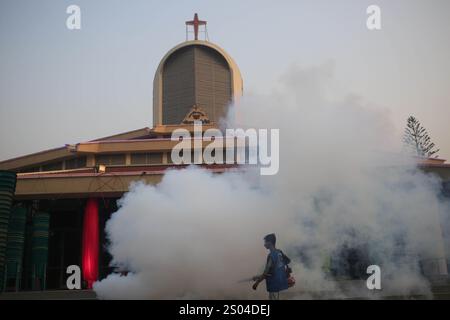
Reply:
x=340, y=184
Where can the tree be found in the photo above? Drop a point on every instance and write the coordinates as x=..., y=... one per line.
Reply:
x=417, y=140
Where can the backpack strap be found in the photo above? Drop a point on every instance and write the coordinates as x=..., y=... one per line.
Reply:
x=286, y=259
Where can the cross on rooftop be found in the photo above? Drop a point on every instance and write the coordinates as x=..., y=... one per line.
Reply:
x=196, y=23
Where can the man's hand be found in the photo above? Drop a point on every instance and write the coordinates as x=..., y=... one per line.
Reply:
x=257, y=280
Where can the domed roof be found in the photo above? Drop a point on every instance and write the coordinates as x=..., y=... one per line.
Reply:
x=236, y=83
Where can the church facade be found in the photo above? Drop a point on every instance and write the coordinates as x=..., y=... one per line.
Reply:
x=56, y=202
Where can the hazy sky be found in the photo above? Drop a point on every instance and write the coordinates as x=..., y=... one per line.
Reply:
x=59, y=86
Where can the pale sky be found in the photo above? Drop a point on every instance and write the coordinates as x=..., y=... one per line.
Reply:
x=59, y=86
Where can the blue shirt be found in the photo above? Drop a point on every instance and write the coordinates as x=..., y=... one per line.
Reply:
x=277, y=280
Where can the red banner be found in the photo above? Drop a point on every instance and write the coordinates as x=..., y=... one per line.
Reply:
x=90, y=243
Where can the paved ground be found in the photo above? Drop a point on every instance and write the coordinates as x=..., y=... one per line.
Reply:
x=50, y=295
x=440, y=291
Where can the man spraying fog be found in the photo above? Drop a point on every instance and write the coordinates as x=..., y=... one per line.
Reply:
x=276, y=272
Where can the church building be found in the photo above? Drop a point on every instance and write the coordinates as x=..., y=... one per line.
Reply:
x=54, y=204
